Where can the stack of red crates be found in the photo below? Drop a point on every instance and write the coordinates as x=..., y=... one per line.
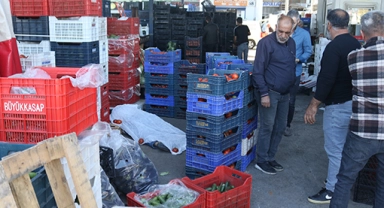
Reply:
x=123, y=60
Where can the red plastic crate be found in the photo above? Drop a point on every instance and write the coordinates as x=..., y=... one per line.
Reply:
x=73, y=8
x=238, y=197
x=198, y=203
x=123, y=27
x=104, y=91
x=29, y=8
x=124, y=46
x=115, y=102
x=123, y=62
x=123, y=80
x=55, y=109
x=104, y=112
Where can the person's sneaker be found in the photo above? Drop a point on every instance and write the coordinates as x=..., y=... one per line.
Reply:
x=288, y=132
x=276, y=166
x=323, y=197
x=265, y=168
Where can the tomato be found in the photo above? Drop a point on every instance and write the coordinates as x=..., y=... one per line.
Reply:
x=175, y=150
x=235, y=76
x=228, y=115
x=117, y=121
x=141, y=141
x=216, y=75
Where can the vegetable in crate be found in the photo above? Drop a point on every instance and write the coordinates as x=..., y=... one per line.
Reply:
x=222, y=187
x=134, y=172
x=172, y=195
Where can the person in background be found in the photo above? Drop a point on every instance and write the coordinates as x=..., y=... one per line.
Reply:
x=240, y=39
x=366, y=128
x=273, y=76
x=334, y=89
x=210, y=35
x=302, y=39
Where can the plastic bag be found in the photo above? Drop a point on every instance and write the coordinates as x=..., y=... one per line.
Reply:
x=108, y=193
x=123, y=44
x=126, y=94
x=89, y=76
x=29, y=73
x=134, y=172
x=174, y=194
x=121, y=61
x=149, y=127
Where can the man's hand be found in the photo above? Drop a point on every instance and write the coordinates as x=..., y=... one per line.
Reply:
x=265, y=101
x=310, y=113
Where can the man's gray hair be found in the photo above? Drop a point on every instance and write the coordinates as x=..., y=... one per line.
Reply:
x=372, y=23
x=293, y=13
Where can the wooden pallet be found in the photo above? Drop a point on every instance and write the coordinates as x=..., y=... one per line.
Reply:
x=16, y=189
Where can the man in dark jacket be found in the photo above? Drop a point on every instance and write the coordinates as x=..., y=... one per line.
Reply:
x=273, y=76
x=210, y=35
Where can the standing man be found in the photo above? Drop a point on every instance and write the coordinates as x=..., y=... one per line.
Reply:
x=366, y=128
x=303, y=52
x=334, y=89
x=273, y=76
x=210, y=35
x=240, y=40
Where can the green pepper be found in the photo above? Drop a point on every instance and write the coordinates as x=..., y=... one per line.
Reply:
x=161, y=199
x=214, y=187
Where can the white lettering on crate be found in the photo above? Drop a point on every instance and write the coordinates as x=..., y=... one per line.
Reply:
x=27, y=107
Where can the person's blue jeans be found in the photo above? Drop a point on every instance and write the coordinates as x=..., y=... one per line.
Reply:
x=273, y=121
x=292, y=100
x=335, y=126
x=356, y=153
x=242, y=51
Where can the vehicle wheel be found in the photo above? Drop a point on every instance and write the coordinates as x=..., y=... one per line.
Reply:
x=251, y=43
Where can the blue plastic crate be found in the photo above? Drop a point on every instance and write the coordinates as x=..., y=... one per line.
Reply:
x=209, y=55
x=7, y=148
x=159, y=78
x=158, y=67
x=249, y=95
x=243, y=67
x=180, y=112
x=249, y=109
x=163, y=111
x=215, y=85
x=194, y=173
x=162, y=89
x=209, y=161
x=106, y=8
x=181, y=101
x=214, y=124
x=76, y=54
x=181, y=89
x=158, y=99
x=155, y=55
x=213, y=142
x=213, y=105
x=214, y=58
x=184, y=67
x=31, y=28
x=249, y=126
x=180, y=79
x=223, y=63
x=247, y=159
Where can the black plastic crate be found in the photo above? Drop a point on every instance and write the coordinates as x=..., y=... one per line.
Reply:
x=194, y=59
x=365, y=185
x=161, y=32
x=195, y=14
x=161, y=16
x=161, y=26
x=179, y=27
x=194, y=42
x=196, y=21
x=178, y=33
x=180, y=112
x=181, y=101
x=363, y=194
x=106, y=8
x=193, y=52
x=34, y=28
x=107, y=162
x=178, y=37
x=194, y=27
x=184, y=67
x=162, y=21
x=76, y=54
x=180, y=89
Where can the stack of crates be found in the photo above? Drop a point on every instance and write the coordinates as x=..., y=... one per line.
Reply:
x=214, y=121
x=124, y=59
x=162, y=24
x=194, y=49
x=31, y=27
x=195, y=22
x=181, y=69
x=159, y=81
x=226, y=22
x=249, y=118
x=178, y=28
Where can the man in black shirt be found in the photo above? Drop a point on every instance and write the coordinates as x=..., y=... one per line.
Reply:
x=240, y=40
x=210, y=35
x=334, y=89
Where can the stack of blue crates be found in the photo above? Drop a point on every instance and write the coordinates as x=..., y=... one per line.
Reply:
x=249, y=118
x=159, y=81
x=181, y=69
x=214, y=121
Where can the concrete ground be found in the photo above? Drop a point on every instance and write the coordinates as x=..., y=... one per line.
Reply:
x=302, y=155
